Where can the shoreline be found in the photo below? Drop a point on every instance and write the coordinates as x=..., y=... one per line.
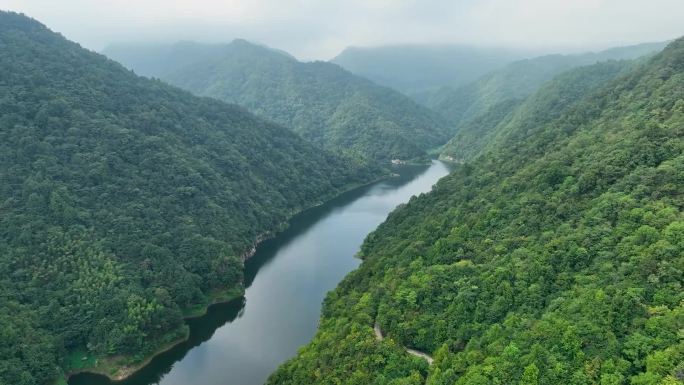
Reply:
x=130, y=370
x=283, y=226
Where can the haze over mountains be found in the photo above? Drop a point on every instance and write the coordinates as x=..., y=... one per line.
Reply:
x=415, y=68
x=517, y=80
x=320, y=101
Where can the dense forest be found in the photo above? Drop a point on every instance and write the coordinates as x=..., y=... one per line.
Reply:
x=481, y=132
x=418, y=68
x=126, y=202
x=516, y=81
x=554, y=257
x=320, y=101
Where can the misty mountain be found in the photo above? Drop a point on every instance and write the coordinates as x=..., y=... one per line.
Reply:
x=517, y=80
x=416, y=68
x=159, y=60
x=320, y=101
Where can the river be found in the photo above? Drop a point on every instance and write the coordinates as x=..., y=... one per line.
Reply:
x=244, y=341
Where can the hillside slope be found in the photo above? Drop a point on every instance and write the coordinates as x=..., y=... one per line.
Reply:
x=126, y=201
x=518, y=80
x=555, y=258
x=484, y=131
x=320, y=101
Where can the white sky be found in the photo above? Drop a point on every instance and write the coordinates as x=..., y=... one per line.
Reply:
x=319, y=29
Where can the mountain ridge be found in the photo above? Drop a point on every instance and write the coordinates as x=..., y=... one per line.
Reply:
x=517, y=80
x=411, y=68
x=320, y=101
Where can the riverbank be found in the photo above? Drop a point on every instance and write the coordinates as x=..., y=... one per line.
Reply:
x=120, y=368
x=283, y=226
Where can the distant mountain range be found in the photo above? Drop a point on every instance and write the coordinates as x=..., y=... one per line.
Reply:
x=416, y=68
x=320, y=101
x=517, y=80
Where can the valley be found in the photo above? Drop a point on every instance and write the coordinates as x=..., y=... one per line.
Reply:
x=357, y=193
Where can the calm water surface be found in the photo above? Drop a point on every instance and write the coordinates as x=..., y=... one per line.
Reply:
x=244, y=341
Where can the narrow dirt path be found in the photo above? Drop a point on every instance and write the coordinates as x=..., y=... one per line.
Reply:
x=378, y=332
x=420, y=354
x=380, y=337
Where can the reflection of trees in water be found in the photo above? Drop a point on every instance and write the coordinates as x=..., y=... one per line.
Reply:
x=201, y=330
x=302, y=222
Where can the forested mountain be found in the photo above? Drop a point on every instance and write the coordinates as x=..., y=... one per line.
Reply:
x=557, y=257
x=487, y=128
x=126, y=201
x=516, y=81
x=322, y=102
x=417, y=68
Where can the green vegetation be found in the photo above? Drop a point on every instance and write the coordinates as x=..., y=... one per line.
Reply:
x=476, y=135
x=217, y=295
x=417, y=68
x=126, y=201
x=555, y=257
x=320, y=101
x=516, y=81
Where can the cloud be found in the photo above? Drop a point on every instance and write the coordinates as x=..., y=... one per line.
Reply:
x=321, y=28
